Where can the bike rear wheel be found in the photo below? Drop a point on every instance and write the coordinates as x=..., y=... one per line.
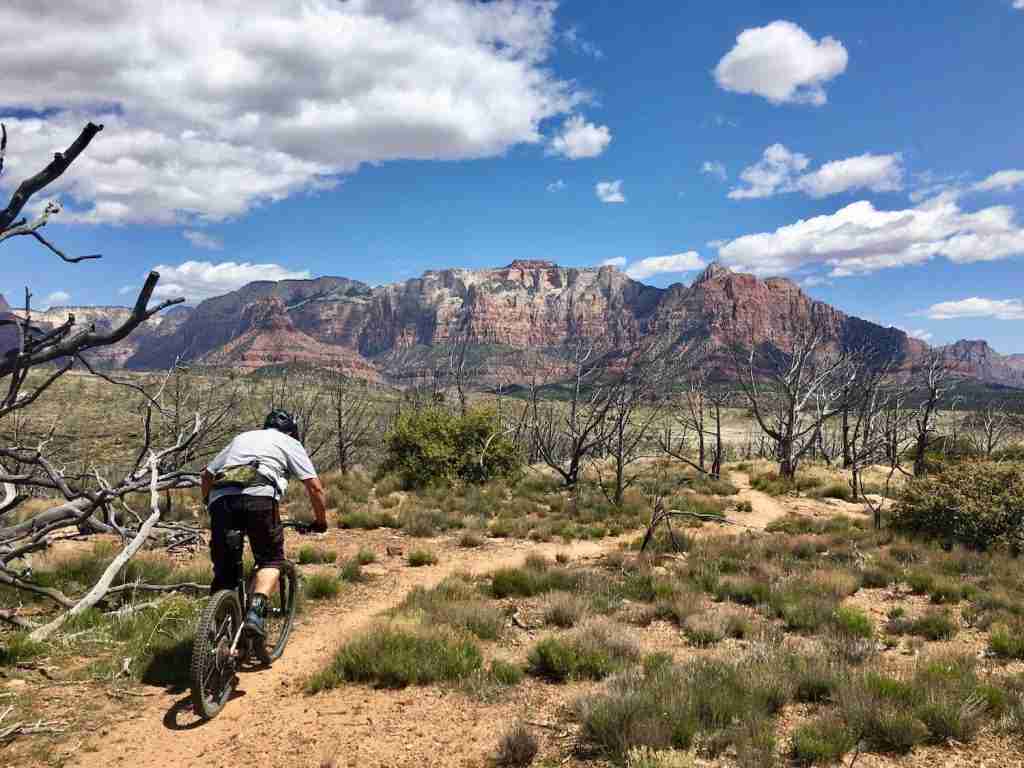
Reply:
x=280, y=615
x=212, y=673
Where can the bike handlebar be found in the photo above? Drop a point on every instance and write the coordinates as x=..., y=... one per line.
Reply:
x=298, y=525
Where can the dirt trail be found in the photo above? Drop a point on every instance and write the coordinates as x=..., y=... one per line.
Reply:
x=766, y=508
x=271, y=723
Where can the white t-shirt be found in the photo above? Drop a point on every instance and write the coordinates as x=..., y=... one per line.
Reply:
x=278, y=454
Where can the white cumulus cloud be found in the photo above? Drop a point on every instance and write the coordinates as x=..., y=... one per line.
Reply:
x=916, y=333
x=774, y=172
x=203, y=240
x=997, y=309
x=1002, y=181
x=610, y=192
x=782, y=63
x=57, y=298
x=714, y=168
x=659, y=265
x=779, y=170
x=556, y=186
x=212, y=108
x=1018, y=4
x=579, y=139
x=198, y=280
x=859, y=239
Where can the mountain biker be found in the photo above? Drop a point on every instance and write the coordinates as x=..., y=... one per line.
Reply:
x=242, y=487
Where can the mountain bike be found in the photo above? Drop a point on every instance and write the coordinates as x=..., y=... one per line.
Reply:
x=221, y=647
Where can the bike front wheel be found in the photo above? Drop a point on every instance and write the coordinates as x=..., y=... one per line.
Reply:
x=280, y=615
x=212, y=673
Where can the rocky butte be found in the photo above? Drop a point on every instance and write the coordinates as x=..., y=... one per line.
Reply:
x=396, y=332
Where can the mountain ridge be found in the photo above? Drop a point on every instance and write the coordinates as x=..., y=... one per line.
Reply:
x=388, y=331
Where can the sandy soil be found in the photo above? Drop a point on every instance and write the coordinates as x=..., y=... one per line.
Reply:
x=272, y=722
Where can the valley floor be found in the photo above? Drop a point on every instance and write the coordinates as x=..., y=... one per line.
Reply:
x=273, y=722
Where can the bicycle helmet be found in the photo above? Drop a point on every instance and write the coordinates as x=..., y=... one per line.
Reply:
x=282, y=421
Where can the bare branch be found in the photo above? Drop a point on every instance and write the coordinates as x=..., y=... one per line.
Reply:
x=60, y=163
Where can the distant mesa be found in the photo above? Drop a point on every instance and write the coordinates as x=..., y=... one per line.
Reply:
x=532, y=264
x=397, y=333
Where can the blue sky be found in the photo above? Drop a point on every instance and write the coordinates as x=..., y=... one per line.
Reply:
x=871, y=153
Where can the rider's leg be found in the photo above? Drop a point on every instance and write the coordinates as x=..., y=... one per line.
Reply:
x=266, y=537
x=222, y=520
x=265, y=582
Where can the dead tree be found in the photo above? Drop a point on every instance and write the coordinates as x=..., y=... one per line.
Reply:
x=353, y=419
x=565, y=434
x=636, y=399
x=934, y=382
x=302, y=394
x=991, y=427
x=699, y=411
x=81, y=503
x=792, y=392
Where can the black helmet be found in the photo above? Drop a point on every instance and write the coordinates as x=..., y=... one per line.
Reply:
x=282, y=421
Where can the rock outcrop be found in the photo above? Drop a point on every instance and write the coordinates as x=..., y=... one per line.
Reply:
x=105, y=319
x=398, y=332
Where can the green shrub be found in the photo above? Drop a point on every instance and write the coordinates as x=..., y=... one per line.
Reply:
x=457, y=603
x=321, y=586
x=945, y=591
x=666, y=706
x=1007, y=641
x=310, y=555
x=366, y=520
x=853, y=622
x=704, y=630
x=365, y=556
x=977, y=503
x=822, y=742
x=835, y=490
x=396, y=655
x=506, y=673
x=420, y=557
x=352, y=572
x=433, y=445
x=564, y=609
x=531, y=579
x=517, y=749
x=470, y=539
x=594, y=651
x=932, y=625
x=17, y=647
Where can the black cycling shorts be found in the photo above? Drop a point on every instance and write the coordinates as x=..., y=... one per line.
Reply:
x=259, y=519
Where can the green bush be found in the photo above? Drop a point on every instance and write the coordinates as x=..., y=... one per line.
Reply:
x=1007, y=641
x=310, y=555
x=977, y=503
x=433, y=445
x=420, y=557
x=17, y=647
x=320, y=586
x=352, y=572
x=822, y=742
x=394, y=656
x=594, y=651
x=517, y=749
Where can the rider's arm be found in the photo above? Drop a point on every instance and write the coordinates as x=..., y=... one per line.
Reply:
x=207, y=481
x=317, y=498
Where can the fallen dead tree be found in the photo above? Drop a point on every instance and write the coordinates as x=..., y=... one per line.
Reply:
x=85, y=501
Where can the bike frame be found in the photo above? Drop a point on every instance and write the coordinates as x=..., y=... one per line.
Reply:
x=235, y=541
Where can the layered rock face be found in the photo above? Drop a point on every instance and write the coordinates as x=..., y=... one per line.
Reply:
x=977, y=359
x=104, y=319
x=532, y=304
x=396, y=332
x=270, y=338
